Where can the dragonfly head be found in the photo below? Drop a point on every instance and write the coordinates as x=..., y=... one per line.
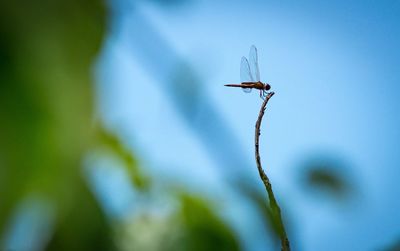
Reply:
x=267, y=87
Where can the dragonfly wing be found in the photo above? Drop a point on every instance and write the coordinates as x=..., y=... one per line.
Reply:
x=246, y=90
x=245, y=74
x=253, y=59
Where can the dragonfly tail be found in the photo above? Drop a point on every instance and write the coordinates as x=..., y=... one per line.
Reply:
x=233, y=85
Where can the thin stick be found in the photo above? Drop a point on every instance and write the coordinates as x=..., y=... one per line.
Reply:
x=274, y=207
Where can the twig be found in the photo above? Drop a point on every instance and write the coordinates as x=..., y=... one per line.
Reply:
x=274, y=207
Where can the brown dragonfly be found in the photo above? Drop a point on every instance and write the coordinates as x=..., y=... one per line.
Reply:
x=250, y=75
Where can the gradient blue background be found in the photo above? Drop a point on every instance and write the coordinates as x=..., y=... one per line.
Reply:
x=334, y=66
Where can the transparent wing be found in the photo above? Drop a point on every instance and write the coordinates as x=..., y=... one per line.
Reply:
x=245, y=74
x=253, y=58
x=246, y=90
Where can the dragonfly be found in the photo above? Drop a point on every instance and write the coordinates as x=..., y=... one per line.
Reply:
x=250, y=75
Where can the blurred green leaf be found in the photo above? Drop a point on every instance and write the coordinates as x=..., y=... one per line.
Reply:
x=270, y=216
x=327, y=175
x=203, y=229
x=326, y=179
x=395, y=246
x=84, y=226
x=191, y=224
x=46, y=53
x=114, y=144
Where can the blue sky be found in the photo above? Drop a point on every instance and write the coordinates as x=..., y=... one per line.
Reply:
x=335, y=69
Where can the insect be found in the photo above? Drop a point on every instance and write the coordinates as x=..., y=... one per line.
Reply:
x=250, y=75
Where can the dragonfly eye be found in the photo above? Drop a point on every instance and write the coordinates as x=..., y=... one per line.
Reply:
x=267, y=87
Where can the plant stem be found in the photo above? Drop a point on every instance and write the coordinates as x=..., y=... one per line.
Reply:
x=274, y=207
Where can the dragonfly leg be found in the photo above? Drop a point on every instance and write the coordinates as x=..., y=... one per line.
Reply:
x=264, y=94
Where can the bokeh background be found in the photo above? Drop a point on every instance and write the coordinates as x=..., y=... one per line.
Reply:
x=116, y=132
